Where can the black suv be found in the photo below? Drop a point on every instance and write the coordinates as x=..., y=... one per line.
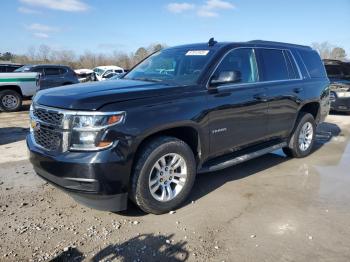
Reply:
x=339, y=74
x=52, y=75
x=182, y=111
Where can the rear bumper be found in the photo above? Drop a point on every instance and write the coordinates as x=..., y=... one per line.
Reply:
x=341, y=104
x=96, y=179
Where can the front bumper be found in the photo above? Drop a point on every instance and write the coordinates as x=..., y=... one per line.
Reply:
x=96, y=179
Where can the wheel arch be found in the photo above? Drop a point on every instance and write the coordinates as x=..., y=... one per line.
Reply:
x=13, y=88
x=186, y=132
x=312, y=107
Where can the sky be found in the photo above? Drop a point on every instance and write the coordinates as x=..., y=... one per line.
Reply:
x=124, y=25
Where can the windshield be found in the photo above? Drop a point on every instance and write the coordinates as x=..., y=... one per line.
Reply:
x=178, y=65
x=99, y=71
x=23, y=69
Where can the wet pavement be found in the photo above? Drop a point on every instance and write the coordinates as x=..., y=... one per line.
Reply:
x=268, y=209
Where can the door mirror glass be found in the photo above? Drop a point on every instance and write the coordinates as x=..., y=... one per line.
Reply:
x=226, y=77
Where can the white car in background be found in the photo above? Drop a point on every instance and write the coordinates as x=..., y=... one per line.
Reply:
x=85, y=75
x=106, y=72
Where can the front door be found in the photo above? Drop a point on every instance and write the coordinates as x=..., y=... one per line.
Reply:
x=239, y=110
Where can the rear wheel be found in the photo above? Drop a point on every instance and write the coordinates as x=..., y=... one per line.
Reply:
x=163, y=175
x=10, y=101
x=303, y=137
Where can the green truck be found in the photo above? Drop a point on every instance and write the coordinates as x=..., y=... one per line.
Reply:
x=15, y=87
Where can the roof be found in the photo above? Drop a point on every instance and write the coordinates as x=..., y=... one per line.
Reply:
x=256, y=43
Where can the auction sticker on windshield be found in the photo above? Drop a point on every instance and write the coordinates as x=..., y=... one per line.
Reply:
x=197, y=52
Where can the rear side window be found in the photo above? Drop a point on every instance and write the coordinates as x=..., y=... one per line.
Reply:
x=52, y=71
x=274, y=65
x=313, y=63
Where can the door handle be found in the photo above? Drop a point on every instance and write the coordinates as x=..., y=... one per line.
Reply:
x=297, y=90
x=261, y=97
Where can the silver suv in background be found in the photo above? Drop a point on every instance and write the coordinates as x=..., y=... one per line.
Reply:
x=52, y=75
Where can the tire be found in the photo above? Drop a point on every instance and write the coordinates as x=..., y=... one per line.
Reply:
x=298, y=147
x=10, y=101
x=145, y=171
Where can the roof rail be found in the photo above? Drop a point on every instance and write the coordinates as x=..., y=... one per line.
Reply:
x=276, y=43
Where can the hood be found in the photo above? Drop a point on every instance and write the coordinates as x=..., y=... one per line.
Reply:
x=93, y=95
x=339, y=81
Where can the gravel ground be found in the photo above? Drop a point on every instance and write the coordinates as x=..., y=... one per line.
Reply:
x=268, y=209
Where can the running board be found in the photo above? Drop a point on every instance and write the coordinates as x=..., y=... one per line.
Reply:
x=242, y=158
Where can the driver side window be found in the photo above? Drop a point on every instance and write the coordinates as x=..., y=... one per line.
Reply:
x=242, y=63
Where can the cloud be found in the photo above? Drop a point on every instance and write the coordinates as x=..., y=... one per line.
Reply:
x=40, y=35
x=180, y=7
x=61, y=5
x=209, y=8
x=41, y=28
x=25, y=10
x=218, y=4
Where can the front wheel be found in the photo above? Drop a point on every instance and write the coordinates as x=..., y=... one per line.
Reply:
x=303, y=137
x=10, y=101
x=163, y=175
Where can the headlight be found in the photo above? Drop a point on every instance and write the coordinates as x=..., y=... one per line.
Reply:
x=343, y=94
x=88, y=130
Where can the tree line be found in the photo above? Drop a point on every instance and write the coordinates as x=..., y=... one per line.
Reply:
x=47, y=55
x=328, y=51
x=44, y=54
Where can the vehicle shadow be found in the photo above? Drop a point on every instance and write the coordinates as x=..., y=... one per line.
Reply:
x=12, y=134
x=26, y=106
x=146, y=247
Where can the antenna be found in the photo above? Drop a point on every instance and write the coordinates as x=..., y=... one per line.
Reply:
x=212, y=42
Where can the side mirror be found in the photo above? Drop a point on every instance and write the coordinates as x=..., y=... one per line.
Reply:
x=226, y=77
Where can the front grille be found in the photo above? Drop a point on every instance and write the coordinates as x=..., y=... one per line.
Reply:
x=48, y=139
x=48, y=132
x=47, y=116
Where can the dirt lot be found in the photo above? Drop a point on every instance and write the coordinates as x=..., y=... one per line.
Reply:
x=268, y=209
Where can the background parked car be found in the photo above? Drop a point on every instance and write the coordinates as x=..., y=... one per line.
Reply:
x=339, y=74
x=85, y=75
x=52, y=75
x=15, y=87
x=9, y=67
x=104, y=72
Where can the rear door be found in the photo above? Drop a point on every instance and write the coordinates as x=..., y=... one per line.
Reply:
x=282, y=79
x=238, y=111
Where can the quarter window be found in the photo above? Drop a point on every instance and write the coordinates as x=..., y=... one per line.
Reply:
x=274, y=65
x=313, y=63
x=243, y=62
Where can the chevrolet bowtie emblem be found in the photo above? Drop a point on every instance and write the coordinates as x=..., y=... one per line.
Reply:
x=35, y=125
